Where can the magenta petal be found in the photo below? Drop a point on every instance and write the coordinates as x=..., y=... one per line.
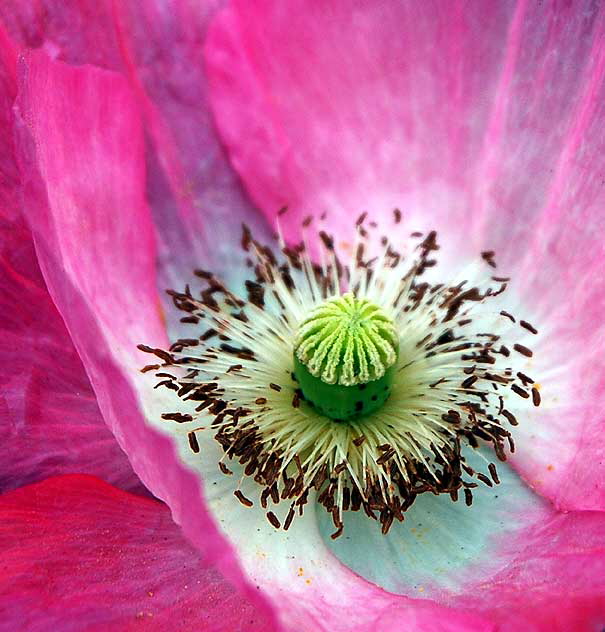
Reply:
x=51, y=420
x=78, y=554
x=82, y=148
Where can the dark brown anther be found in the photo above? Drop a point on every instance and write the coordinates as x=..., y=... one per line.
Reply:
x=468, y=496
x=528, y=353
x=521, y=392
x=524, y=378
x=289, y=519
x=273, y=519
x=528, y=326
x=469, y=381
x=535, y=396
x=193, y=444
x=488, y=257
x=245, y=501
x=512, y=420
x=224, y=469
x=180, y=418
x=275, y=387
x=484, y=479
x=494, y=473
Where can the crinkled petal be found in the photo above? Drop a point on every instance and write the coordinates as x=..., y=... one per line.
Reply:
x=78, y=554
x=81, y=145
x=485, y=125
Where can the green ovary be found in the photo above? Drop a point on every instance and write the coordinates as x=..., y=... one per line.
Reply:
x=344, y=357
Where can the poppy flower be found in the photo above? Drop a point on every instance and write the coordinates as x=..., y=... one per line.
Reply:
x=393, y=424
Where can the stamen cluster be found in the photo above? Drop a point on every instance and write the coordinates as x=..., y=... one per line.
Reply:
x=452, y=387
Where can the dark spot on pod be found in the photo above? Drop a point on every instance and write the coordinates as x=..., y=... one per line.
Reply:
x=358, y=406
x=374, y=398
x=535, y=396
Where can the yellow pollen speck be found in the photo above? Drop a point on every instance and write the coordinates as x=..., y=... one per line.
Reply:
x=550, y=468
x=420, y=588
x=150, y=593
x=308, y=581
x=300, y=571
x=345, y=245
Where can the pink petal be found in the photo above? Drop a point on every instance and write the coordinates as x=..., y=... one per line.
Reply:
x=81, y=146
x=78, y=554
x=487, y=126
x=554, y=581
x=51, y=421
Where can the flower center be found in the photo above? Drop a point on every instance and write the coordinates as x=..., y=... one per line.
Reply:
x=419, y=373
x=344, y=356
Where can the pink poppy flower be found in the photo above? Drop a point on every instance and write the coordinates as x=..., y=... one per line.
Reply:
x=137, y=138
